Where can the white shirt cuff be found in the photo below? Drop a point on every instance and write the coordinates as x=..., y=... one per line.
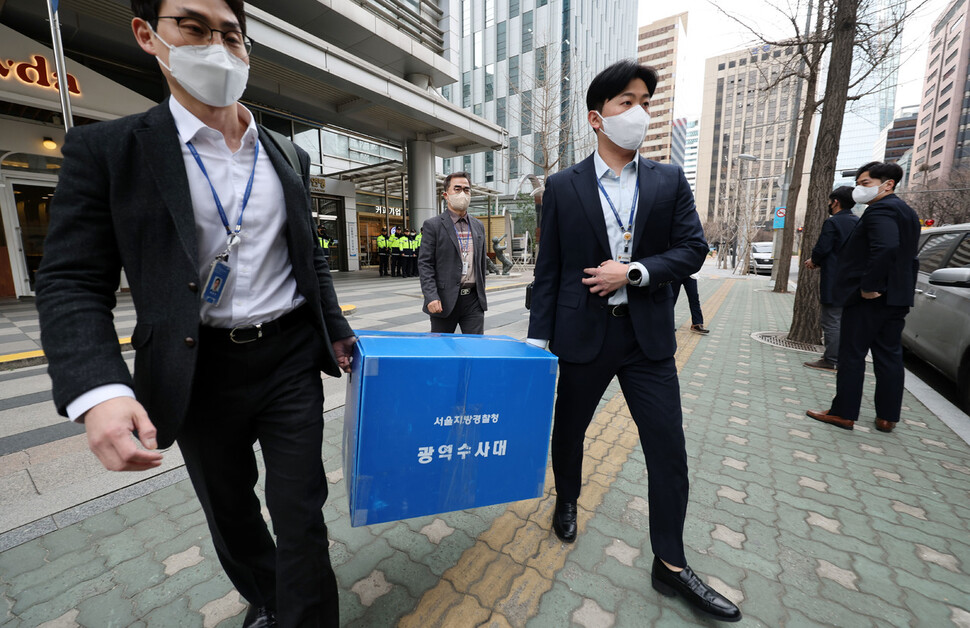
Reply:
x=536, y=342
x=77, y=408
x=645, y=281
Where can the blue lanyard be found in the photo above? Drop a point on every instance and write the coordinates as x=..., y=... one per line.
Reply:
x=616, y=214
x=467, y=238
x=215, y=196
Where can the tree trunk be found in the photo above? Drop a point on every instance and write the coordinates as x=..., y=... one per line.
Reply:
x=805, y=325
x=783, y=258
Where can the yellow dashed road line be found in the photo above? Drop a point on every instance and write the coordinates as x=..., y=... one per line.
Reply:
x=501, y=579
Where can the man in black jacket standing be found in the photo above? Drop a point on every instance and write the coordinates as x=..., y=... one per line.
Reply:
x=874, y=285
x=237, y=313
x=825, y=255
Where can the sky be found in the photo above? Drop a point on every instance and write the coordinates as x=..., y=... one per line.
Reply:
x=711, y=33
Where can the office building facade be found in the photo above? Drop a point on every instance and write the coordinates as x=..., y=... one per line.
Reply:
x=742, y=116
x=525, y=66
x=942, y=133
x=663, y=45
x=691, y=142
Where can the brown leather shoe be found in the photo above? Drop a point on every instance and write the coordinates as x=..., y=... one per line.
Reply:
x=885, y=426
x=831, y=419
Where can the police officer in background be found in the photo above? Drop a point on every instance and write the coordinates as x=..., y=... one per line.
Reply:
x=405, y=254
x=395, y=253
x=383, y=251
x=413, y=257
x=324, y=240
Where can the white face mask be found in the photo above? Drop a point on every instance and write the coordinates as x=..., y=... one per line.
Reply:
x=627, y=129
x=864, y=195
x=211, y=74
x=459, y=202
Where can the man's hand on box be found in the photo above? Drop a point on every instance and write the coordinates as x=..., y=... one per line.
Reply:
x=344, y=350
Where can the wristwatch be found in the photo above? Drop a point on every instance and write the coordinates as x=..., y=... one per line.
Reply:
x=634, y=275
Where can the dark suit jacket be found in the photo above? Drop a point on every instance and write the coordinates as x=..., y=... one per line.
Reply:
x=880, y=255
x=667, y=239
x=835, y=231
x=439, y=262
x=122, y=201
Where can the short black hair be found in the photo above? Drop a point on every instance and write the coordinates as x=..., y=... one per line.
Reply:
x=884, y=171
x=148, y=11
x=614, y=79
x=843, y=195
x=457, y=175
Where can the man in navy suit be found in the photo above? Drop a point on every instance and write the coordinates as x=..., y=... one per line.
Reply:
x=825, y=255
x=617, y=231
x=874, y=286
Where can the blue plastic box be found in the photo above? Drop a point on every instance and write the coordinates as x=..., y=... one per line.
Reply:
x=442, y=422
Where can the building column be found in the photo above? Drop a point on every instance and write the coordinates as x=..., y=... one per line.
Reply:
x=421, y=182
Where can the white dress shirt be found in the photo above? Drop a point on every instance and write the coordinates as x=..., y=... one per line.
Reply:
x=261, y=286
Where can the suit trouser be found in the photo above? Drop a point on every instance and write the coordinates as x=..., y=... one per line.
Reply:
x=652, y=393
x=395, y=264
x=382, y=260
x=693, y=299
x=831, y=320
x=467, y=313
x=268, y=390
x=870, y=325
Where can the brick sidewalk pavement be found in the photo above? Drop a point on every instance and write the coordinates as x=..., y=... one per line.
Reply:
x=801, y=523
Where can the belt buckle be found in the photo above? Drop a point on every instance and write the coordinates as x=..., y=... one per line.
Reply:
x=465, y=291
x=619, y=310
x=259, y=334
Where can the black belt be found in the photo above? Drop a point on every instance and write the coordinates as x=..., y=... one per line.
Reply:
x=249, y=333
x=618, y=311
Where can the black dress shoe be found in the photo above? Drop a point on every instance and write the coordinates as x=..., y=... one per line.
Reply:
x=690, y=587
x=564, y=521
x=259, y=617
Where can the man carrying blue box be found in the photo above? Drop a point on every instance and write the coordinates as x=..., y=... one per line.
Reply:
x=604, y=305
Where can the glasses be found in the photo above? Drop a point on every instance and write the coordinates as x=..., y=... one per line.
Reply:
x=459, y=189
x=195, y=32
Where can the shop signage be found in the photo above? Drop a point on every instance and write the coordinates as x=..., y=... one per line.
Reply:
x=318, y=185
x=36, y=72
x=392, y=211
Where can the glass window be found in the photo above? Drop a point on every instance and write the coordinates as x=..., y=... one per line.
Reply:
x=500, y=117
x=961, y=256
x=478, y=50
x=514, y=73
x=466, y=163
x=527, y=31
x=513, y=158
x=466, y=17
x=466, y=89
x=541, y=63
x=335, y=144
x=934, y=250
x=489, y=13
x=513, y=8
x=278, y=124
x=525, y=120
x=489, y=82
x=490, y=166
x=477, y=109
x=308, y=138
x=500, y=41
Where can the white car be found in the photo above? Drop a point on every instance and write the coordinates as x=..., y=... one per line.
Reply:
x=761, y=257
x=938, y=327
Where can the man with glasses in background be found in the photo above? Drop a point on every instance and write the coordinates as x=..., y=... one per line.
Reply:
x=234, y=324
x=451, y=263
